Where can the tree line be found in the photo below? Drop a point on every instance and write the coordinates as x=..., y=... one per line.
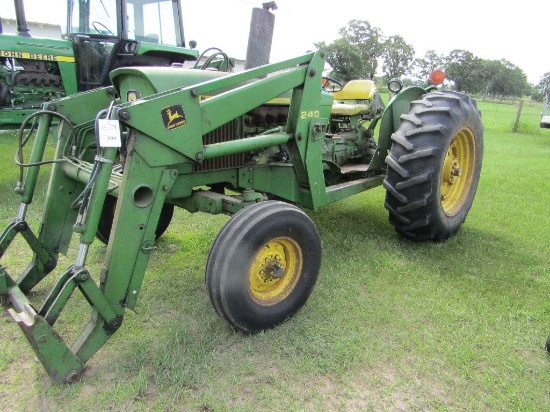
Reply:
x=361, y=48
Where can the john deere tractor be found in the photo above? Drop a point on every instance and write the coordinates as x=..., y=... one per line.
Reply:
x=100, y=35
x=260, y=146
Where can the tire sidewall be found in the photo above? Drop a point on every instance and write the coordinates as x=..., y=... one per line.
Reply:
x=450, y=224
x=230, y=269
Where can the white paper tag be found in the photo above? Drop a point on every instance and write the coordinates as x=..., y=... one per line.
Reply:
x=109, y=133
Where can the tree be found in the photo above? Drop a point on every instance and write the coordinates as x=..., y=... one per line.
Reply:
x=357, y=52
x=398, y=56
x=502, y=78
x=544, y=82
x=541, y=89
x=464, y=69
x=431, y=61
x=344, y=58
x=368, y=40
x=354, y=55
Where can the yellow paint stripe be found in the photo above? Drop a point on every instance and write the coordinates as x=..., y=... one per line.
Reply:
x=276, y=100
x=36, y=56
x=280, y=100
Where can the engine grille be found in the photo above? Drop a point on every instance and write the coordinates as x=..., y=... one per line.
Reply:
x=225, y=133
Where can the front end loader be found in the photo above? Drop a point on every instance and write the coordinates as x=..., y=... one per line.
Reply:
x=259, y=146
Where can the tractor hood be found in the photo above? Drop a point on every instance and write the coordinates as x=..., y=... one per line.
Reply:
x=133, y=83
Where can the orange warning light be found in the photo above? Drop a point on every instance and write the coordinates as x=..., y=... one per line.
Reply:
x=437, y=77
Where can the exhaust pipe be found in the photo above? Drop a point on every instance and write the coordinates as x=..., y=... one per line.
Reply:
x=22, y=28
x=260, y=37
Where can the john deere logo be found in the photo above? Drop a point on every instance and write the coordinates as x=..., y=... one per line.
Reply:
x=173, y=117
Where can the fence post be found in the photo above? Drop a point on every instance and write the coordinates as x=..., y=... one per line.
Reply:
x=520, y=106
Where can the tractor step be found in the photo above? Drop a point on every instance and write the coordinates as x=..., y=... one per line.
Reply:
x=354, y=168
x=359, y=184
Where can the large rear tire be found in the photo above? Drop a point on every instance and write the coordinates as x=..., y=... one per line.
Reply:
x=434, y=166
x=263, y=265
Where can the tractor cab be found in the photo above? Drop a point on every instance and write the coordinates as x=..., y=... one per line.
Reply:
x=113, y=33
x=99, y=36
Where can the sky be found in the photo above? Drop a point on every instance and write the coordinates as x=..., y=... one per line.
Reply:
x=519, y=33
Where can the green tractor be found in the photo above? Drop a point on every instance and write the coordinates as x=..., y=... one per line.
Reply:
x=259, y=146
x=101, y=35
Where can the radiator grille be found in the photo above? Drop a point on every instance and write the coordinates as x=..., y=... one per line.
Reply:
x=225, y=133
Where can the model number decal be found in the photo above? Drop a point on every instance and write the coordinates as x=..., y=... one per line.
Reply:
x=309, y=114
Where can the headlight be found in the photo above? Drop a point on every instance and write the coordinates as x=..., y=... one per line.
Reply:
x=395, y=85
x=128, y=48
x=133, y=95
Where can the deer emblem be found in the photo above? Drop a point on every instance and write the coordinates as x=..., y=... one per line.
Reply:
x=173, y=117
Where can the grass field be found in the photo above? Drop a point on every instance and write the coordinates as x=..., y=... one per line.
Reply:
x=391, y=325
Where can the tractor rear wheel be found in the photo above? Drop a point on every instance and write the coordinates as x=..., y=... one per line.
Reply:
x=103, y=232
x=263, y=265
x=434, y=166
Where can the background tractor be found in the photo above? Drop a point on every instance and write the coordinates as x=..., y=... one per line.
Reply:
x=100, y=35
x=259, y=146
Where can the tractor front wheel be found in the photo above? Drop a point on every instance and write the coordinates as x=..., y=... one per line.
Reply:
x=434, y=166
x=263, y=265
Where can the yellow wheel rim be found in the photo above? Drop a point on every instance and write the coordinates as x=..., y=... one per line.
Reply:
x=458, y=172
x=275, y=271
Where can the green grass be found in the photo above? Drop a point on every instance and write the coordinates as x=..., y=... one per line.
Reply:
x=391, y=325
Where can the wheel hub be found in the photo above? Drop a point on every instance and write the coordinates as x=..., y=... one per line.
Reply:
x=457, y=173
x=275, y=270
x=272, y=270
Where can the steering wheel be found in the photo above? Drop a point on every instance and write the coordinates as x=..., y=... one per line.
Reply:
x=96, y=24
x=210, y=60
x=331, y=85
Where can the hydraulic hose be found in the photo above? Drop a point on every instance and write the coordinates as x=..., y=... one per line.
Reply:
x=85, y=195
x=18, y=158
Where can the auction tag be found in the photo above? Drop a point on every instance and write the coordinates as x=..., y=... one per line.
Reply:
x=109, y=133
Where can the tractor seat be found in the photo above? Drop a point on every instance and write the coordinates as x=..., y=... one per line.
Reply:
x=354, y=98
x=356, y=90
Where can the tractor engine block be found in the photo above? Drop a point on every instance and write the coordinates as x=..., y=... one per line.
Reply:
x=353, y=145
x=28, y=83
